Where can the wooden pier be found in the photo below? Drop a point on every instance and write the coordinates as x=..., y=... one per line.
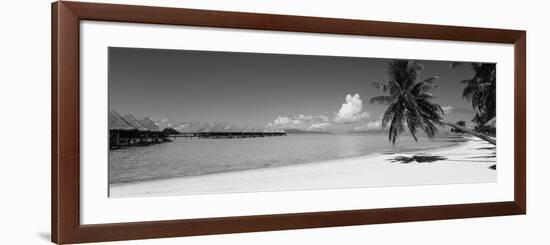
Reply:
x=226, y=135
x=128, y=131
x=220, y=131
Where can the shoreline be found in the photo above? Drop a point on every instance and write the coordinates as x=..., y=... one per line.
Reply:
x=447, y=165
x=450, y=144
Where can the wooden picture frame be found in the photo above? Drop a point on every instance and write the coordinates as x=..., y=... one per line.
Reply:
x=65, y=170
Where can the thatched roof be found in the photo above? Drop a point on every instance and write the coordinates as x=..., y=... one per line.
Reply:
x=257, y=130
x=190, y=127
x=135, y=123
x=180, y=127
x=116, y=122
x=234, y=129
x=273, y=130
x=207, y=128
x=149, y=124
x=218, y=129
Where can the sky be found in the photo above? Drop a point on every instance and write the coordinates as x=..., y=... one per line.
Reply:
x=316, y=93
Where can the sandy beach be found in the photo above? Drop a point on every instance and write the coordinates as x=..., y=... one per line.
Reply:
x=467, y=162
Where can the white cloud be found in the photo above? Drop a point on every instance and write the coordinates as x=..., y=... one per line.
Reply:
x=447, y=109
x=324, y=118
x=181, y=126
x=318, y=126
x=351, y=111
x=284, y=121
x=303, y=117
x=373, y=125
x=162, y=122
x=307, y=118
x=301, y=121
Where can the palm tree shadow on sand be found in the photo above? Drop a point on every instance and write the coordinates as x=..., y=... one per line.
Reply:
x=417, y=158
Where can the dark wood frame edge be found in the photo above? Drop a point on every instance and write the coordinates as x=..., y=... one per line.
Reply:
x=65, y=174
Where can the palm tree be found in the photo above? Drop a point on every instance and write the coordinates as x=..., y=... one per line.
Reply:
x=481, y=91
x=409, y=103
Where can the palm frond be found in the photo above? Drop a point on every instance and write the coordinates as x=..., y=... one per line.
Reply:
x=456, y=64
x=430, y=129
x=388, y=114
x=429, y=80
x=412, y=124
x=381, y=86
x=383, y=100
x=408, y=101
x=396, y=125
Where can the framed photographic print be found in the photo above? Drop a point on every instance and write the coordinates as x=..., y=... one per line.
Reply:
x=176, y=122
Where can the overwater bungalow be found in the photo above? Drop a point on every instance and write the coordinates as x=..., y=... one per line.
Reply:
x=280, y=132
x=142, y=136
x=155, y=133
x=274, y=132
x=189, y=130
x=120, y=131
x=267, y=132
x=244, y=131
x=205, y=131
x=234, y=131
x=223, y=130
x=219, y=131
x=257, y=132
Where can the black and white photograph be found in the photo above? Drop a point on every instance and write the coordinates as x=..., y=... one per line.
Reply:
x=203, y=122
x=275, y=122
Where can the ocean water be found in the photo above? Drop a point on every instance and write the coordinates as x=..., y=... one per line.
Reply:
x=189, y=157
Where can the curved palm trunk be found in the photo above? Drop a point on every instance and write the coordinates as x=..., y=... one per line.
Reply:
x=474, y=133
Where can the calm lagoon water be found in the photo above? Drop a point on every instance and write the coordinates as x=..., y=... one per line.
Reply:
x=187, y=157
